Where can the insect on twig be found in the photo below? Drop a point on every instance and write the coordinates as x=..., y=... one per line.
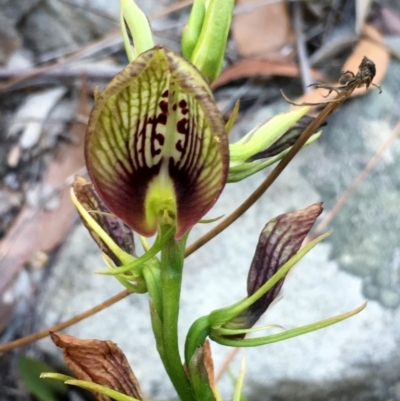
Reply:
x=348, y=83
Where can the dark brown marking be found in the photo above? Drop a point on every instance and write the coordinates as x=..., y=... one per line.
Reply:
x=182, y=126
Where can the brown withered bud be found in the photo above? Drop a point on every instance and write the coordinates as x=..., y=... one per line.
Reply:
x=286, y=140
x=100, y=362
x=114, y=227
x=280, y=239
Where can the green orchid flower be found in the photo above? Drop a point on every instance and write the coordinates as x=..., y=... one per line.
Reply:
x=156, y=146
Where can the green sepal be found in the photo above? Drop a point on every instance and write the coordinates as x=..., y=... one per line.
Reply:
x=138, y=288
x=123, y=256
x=115, y=395
x=192, y=30
x=208, y=54
x=139, y=28
x=254, y=342
x=138, y=263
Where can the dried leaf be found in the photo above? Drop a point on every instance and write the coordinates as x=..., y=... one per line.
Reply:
x=280, y=239
x=261, y=30
x=370, y=46
x=100, y=362
x=114, y=227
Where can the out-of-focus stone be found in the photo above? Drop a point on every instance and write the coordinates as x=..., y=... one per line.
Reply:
x=9, y=38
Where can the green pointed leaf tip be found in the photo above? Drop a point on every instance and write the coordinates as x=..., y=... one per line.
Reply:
x=156, y=143
x=279, y=241
x=138, y=26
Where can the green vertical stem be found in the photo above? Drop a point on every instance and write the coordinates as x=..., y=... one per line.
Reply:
x=172, y=257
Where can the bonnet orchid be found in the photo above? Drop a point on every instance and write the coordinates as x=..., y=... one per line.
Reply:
x=156, y=147
x=158, y=157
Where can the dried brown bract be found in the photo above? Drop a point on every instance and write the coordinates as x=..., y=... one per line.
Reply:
x=365, y=75
x=348, y=83
x=101, y=362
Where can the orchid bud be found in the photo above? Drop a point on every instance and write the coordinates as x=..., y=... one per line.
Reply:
x=205, y=36
x=267, y=143
x=132, y=19
x=279, y=241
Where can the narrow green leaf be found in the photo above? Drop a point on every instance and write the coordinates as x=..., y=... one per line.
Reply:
x=115, y=395
x=30, y=370
x=254, y=342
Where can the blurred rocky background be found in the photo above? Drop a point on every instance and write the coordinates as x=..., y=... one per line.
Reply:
x=53, y=53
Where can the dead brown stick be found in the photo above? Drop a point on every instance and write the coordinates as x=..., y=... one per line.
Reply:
x=44, y=333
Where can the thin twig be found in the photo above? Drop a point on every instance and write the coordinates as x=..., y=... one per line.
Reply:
x=301, y=48
x=67, y=323
x=226, y=362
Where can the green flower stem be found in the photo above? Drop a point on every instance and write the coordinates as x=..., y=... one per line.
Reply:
x=172, y=257
x=197, y=334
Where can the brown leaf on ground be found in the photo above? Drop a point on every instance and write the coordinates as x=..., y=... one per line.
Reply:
x=370, y=46
x=100, y=362
x=261, y=31
x=252, y=67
